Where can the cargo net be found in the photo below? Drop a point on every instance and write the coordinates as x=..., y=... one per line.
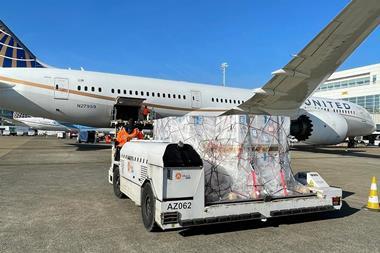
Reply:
x=244, y=157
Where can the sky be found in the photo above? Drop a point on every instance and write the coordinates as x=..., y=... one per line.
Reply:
x=179, y=40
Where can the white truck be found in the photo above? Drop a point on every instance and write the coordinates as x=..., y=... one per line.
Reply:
x=167, y=181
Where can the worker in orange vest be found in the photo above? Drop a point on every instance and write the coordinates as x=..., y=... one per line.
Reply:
x=124, y=136
x=121, y=137
x=146, y=112
x=108, y=139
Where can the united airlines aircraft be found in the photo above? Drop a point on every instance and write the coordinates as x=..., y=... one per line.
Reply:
x=88, y=98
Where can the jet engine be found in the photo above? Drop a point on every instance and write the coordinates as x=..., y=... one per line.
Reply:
x=319, y=127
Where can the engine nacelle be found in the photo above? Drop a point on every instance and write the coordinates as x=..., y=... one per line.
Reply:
x=319, y=127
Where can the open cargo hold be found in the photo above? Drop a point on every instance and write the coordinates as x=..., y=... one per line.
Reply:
x=244, y=157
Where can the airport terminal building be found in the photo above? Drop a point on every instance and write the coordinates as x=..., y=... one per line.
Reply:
x=5, y=114
x=359, y=85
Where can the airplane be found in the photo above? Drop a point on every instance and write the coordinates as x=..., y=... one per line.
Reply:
x=90, y=98
x=39, y=123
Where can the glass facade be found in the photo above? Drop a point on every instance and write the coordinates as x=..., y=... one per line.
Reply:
x=371, y=103
x=346, y=84
x=5, y=113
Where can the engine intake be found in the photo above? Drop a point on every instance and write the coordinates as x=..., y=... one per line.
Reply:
x=301, y=128
x=319, y=128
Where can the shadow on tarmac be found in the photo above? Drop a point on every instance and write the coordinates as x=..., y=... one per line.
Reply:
x=345, y=211
x=346, y=194
x=90, y=147
x=335, y=151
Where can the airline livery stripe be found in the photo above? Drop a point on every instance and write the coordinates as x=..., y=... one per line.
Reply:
x=5, y=32
x=3, y=50
x=108, y=98
x=48, y=87
x=15, y=57
x=11, y=46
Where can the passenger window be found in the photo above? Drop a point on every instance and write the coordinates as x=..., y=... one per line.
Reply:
x=56, y=86
x=168, y=95
x=85, y=88
x=125, y=92
x=100, y=89
x=113, y=90
x=118, y=91
x=147, y=93
x=78, y=87
x=184, y=97
x=212, y=99
x=152, y=94
x=163, y=95
x=130, y=92
x=225, y=100
x=221, y=100
x=142, y=93
x=173, y=95
x=179, y=96
x=92, y=89
x=234, y=101
x=136, y=92
x=238, y=101
x=217, y=100
x=230, y=101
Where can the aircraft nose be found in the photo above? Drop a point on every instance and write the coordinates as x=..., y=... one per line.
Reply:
x=371, y=126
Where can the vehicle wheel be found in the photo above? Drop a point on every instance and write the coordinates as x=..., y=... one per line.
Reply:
x=116, y=184
x=148, y=208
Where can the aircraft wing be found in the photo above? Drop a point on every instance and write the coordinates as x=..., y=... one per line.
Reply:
x=4, y=85
x=14, y=122
x=296, y=81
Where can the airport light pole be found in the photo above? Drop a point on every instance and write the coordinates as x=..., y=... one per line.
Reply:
x=224, y=66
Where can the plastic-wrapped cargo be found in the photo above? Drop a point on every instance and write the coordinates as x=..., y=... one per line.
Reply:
x=245, y=157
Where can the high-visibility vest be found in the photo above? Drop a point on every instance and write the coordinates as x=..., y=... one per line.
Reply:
x=140, y=135
x=123, y=136
x=146, y=111
x=133, y=134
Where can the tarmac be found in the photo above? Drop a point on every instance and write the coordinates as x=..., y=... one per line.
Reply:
x=55, y=197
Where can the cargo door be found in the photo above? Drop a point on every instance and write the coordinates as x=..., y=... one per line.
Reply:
x=196, y=99
x=126, y=108
x=61, y=88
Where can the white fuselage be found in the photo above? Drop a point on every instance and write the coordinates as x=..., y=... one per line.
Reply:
x=87, y=98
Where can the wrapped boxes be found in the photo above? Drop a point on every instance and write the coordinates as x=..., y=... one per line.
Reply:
x=245, y=157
